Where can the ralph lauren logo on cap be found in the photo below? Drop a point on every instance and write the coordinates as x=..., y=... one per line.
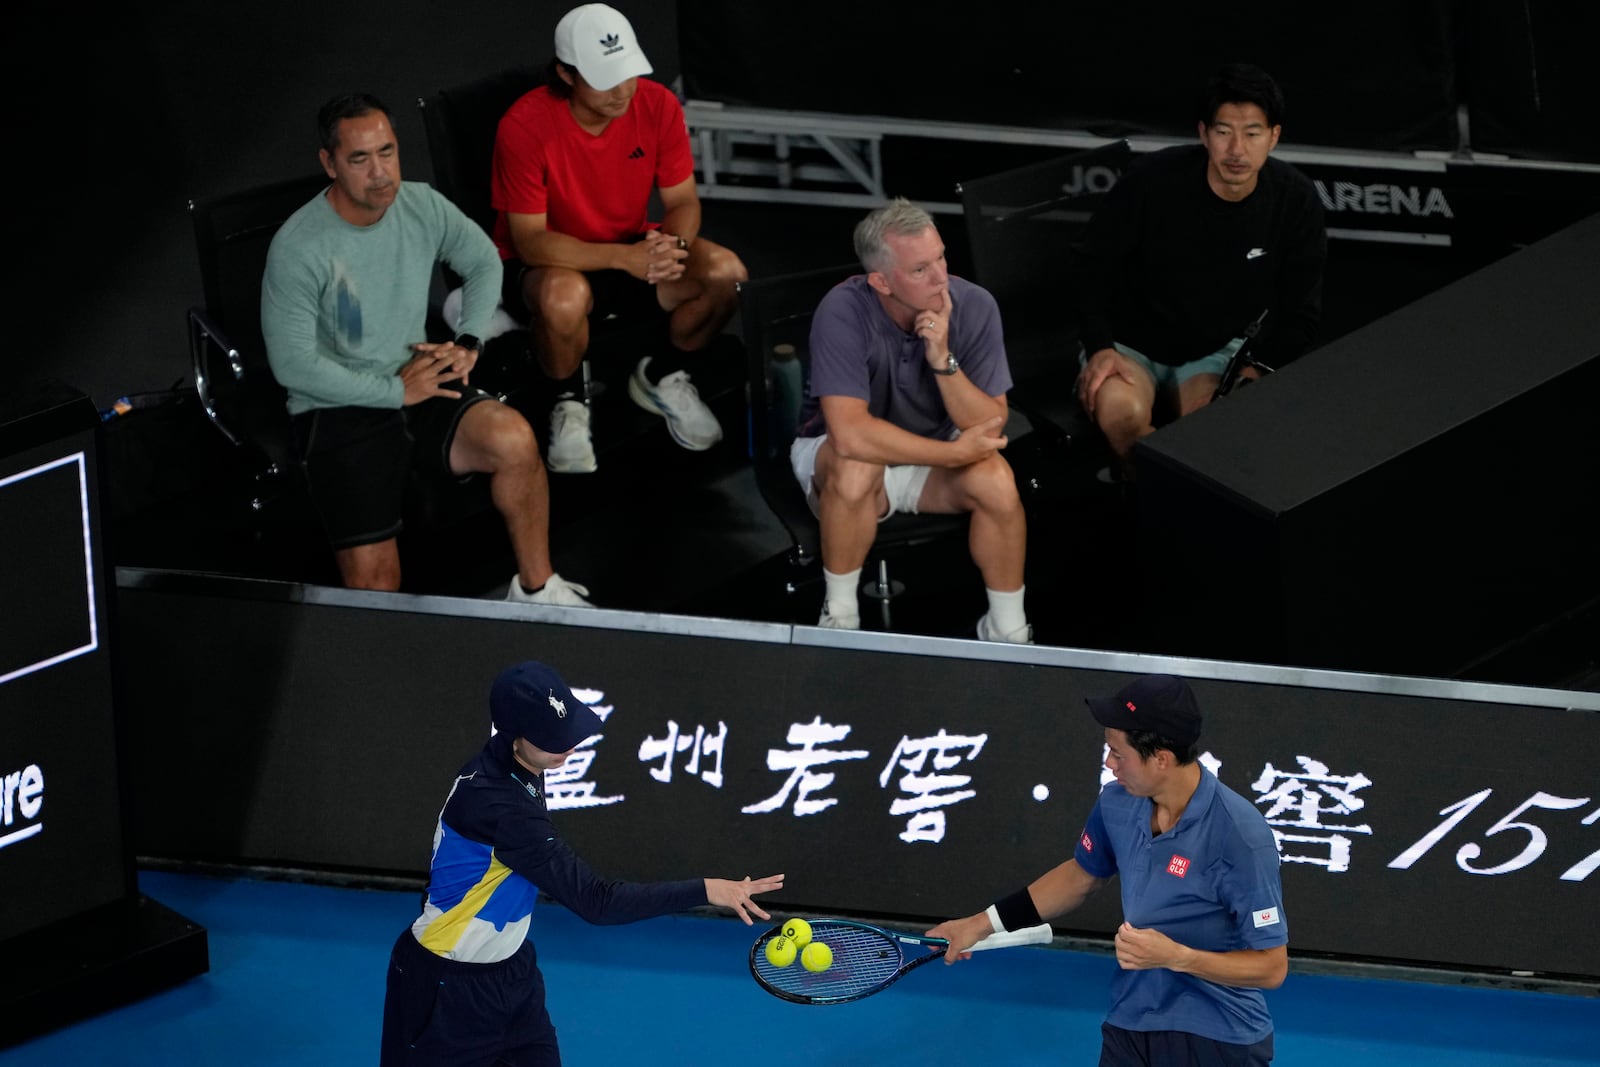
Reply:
x=561, y=708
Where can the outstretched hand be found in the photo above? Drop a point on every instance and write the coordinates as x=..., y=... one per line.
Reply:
x=962, y=935
x=737, y=895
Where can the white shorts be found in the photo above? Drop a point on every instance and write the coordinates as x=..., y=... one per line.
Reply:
x=902, y=484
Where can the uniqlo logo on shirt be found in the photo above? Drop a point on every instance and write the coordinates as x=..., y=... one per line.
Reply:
x=1178, y=866
x=1088, y=846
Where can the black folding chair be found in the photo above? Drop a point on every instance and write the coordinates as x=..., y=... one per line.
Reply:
x=228, y=357
x=460, y=123
x=1025, y=227
x=775, y=313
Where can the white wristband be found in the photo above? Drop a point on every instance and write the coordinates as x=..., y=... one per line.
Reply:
x=994, y=919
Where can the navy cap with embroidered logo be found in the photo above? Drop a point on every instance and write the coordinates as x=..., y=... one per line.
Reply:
x=1160, y=704
x=531, y=701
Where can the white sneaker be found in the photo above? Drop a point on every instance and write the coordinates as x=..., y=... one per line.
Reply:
x=1023, y=635
x=571, y=445
x=839, y=622
x=673, y=398
x=557, y=590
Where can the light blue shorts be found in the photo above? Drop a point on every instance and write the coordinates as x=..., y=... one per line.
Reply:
x=1168, y=377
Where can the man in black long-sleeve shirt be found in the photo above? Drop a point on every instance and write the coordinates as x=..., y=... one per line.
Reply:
x=464, y=987
x=1189, y=248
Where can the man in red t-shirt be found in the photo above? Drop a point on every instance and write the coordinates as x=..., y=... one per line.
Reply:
x=575, y=162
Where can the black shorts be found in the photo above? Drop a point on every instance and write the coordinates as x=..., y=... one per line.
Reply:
x=357, y=461
x=1125, y=1048
x=617, y=294
x=441, y=1013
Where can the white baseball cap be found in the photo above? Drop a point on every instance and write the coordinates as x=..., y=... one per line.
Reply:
x=598, y=40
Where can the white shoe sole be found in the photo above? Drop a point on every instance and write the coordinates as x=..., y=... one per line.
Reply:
x=1003, y=639
x=569, y=468
x=641, y=397
x=571, y=465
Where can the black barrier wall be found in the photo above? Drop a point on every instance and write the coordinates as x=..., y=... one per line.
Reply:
x=1410, y=496
x=1420, y=821
x=61, y=834
x=75, y=934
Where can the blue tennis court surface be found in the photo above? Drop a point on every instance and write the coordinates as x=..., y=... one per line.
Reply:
x=297, y=978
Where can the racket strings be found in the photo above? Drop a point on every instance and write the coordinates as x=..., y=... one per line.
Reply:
x=862, y=959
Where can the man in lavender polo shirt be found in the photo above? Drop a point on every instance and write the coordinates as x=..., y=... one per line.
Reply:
x=906, y=411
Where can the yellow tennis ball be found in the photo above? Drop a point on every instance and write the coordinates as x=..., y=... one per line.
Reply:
x=780, y=952
x=816, y=957
x=798, y=931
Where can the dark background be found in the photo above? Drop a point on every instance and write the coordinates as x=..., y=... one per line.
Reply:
x=125, y=114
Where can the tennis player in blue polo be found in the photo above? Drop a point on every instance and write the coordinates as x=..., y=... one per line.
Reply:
x=464, y=987
x=1203, y=929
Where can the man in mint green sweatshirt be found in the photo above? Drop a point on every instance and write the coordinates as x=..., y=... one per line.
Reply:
x=344, y=301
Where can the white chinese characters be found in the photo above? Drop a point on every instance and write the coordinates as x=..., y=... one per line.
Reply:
x=1310, y=812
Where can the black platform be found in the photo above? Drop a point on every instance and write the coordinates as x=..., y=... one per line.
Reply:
x=1408, y=499
x=91, y=963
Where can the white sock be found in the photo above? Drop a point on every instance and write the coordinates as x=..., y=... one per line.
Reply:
x=840, y=597
x=1005, y=611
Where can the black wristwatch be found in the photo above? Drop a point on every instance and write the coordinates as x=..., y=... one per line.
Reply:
x=467, y=340
x=950, y=365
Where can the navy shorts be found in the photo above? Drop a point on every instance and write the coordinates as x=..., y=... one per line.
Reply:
x=441, y=1013
x=1144, y=1048
x=357, y=461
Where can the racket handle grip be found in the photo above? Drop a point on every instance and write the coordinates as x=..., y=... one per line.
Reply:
x=1030, y=935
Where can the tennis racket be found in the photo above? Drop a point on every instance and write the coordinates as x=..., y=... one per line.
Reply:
x=866, y=959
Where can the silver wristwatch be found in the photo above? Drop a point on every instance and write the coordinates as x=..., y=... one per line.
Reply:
x=950, y=365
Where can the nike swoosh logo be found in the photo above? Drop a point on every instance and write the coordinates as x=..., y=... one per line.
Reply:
x=1255, y=253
